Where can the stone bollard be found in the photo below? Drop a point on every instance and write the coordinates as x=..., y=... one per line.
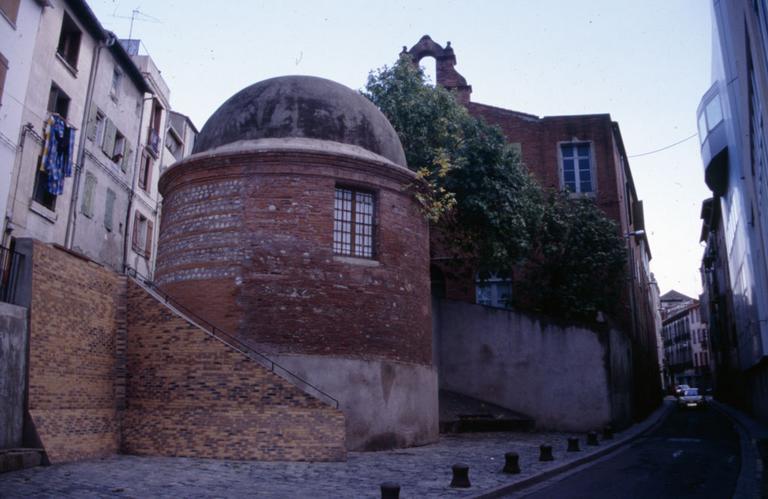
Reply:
x=608, y=432
x=390, y=490
x=592, y=438
x=545, y=453
x=511, y=463
x=460, y=476
x=573, y=444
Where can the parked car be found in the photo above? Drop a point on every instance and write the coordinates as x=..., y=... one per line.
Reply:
x=691, y=399
x=680, y=389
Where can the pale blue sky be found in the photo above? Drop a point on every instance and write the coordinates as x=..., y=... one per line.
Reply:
x=646, y=62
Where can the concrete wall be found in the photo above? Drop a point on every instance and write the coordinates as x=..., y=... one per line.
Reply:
x=13, y=373
x=564, y=377
x=386, y=404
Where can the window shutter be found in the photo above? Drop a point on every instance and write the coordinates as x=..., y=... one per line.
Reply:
x=148, y=249
x=90, y=187
x=125, y=163
x=148, y=177
x=109, y=209
x=93, y=125
x=110, y=132
x=135, y=235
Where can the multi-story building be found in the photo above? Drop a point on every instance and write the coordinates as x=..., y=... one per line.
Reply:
x=19, y=21
x=585, y=155
x=731, y=119
x=112, y=105
x=686, y=341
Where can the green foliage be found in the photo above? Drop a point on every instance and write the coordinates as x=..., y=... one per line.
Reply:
x=563, y=251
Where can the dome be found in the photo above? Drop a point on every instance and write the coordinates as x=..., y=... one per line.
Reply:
x=301, y=107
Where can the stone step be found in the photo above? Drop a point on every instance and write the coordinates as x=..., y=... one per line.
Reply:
x=19, y=459
x=463, y=414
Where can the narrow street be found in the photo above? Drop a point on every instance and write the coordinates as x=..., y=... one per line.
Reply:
x=693, y=454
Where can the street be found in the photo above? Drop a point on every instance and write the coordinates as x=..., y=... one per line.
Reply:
x=692, y=454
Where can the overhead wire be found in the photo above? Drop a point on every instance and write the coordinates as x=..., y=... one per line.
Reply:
x=664, y=148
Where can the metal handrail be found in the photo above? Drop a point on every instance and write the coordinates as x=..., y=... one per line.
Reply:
x=225, y=337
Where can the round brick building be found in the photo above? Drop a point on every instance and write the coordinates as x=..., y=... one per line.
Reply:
x=293, y=227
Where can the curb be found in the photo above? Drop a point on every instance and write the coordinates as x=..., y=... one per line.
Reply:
x=749, y=481
x=651, y=423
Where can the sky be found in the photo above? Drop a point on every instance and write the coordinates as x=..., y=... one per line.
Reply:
x=647, y=63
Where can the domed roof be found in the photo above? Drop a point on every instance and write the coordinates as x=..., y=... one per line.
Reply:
x=301, y=107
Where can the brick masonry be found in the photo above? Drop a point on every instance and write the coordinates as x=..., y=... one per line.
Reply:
x=189, y=394
x=246, y=242
x=114, y=370
x=72, y=363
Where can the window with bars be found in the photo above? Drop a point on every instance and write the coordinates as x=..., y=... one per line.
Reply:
x=353, y=223
x=577, y=167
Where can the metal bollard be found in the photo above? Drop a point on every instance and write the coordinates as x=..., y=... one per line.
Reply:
x=545, y=453
x=573, y=444
x=608, y=432
x=460, y=476
x=592, y=438
x=390, y=490
x=511, y=463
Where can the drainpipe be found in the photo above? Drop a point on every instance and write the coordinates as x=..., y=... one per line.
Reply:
x=134, y=181
x=69, y=237
x=18, y=160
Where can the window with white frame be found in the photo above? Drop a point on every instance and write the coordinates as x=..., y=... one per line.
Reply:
x=353, y=223
x=576, y=160
x=493, y=291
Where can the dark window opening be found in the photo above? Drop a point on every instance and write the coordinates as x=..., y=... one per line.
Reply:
x=69, y=41
x=41, y=194
x=353, y=221
x=58, y=101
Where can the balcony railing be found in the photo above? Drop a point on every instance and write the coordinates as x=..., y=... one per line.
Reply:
x=10, y=266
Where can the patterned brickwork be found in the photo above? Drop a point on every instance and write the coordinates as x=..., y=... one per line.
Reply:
x=72, y=355
x=246, y=242
x=191, y=395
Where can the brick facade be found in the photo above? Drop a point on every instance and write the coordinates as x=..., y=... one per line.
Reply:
x=246, y=240
x=72, y=355
x=189, y=394
x=112, y=369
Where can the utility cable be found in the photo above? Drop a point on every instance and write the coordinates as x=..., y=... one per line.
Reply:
x=664, y=148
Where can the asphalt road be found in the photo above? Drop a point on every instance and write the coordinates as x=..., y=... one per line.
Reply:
x=692, y=454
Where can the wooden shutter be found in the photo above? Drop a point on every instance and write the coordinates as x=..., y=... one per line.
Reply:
x=148, y=246
x=135, y=235
x=11, y=9
x=110, y=133
x=93, y=124
x=148, y=176
x=124, y=164
x=109, y=209
x=90, y=187
x=3, y=72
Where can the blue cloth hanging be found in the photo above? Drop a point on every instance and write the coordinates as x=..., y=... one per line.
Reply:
x=57, y=153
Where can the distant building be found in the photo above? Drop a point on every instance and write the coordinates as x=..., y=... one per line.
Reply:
x=585, y=155
x=731, y=119
x=686, y=341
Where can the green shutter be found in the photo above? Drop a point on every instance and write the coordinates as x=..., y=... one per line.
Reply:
x=88, y=191
x=109, y=209
x=110, y=133
x=125, y=163
x=93, y=125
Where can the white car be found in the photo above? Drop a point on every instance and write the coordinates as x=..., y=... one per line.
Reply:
x=691, y=399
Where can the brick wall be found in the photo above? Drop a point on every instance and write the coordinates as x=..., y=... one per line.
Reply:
x=72, y=355
x=191, y=395
x=246, y=242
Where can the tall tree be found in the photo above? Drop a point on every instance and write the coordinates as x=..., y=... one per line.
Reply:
x=489, y=209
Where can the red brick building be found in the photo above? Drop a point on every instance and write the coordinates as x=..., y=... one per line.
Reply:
x=585, y=155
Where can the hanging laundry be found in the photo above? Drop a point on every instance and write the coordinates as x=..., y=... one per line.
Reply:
x=59, y=144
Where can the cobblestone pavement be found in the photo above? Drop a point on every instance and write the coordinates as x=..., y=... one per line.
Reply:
x=421, y=472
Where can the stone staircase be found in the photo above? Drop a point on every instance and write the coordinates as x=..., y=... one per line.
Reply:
x=463, y=414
